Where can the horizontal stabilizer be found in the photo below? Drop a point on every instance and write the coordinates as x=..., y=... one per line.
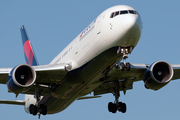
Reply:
x=13, y=102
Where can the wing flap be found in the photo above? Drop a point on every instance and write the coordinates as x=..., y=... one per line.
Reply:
x=44, y=90
x=109, y=88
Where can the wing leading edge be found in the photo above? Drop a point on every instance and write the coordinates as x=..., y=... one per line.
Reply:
x=46, y=76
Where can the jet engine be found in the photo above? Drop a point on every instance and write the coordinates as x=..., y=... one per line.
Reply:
x=158, y=75
x=20, y=78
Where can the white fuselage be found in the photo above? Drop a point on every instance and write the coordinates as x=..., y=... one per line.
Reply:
x=105, y=32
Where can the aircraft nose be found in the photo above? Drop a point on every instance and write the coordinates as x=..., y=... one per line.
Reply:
x=130, y=22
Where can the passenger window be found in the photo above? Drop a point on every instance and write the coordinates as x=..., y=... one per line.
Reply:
x=112, y=15
x=124, y=12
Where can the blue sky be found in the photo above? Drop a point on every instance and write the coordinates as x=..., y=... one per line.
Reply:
x=51, y=25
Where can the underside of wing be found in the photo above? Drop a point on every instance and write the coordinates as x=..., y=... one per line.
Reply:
x=176, y=68
x=4, y=74
x=155, y=76
x=26, y=79
x=124, y=79
x=48, y=74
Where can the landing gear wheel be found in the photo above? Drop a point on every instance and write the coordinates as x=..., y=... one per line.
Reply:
x=114, y=110
x=110, y=108
x=33, y=109
x=122, y=107
x=128, y=66
x=43, y=109
x=122, y=66
x=38, y=108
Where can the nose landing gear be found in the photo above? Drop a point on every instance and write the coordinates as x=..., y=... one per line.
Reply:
x=126, y=65
x=125, y=51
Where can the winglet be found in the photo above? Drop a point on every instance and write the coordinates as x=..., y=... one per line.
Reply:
x=28, y=50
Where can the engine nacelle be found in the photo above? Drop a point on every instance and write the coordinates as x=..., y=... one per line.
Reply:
x=20, y=78
x=158, y=75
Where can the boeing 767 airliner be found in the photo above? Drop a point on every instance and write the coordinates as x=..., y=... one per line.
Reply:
x=90, y=63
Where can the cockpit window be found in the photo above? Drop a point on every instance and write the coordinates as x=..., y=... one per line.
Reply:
x=117, y=13
x=131, y=11
x=123, y=12
x=112, y=15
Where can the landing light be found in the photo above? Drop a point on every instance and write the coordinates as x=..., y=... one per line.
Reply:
x=122, y=50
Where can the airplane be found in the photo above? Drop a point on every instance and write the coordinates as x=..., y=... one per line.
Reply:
x=90, y=63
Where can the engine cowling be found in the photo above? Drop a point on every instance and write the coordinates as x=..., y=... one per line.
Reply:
x=20, y=78
x=158, y=75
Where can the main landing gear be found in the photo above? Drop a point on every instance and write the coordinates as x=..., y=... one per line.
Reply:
x=42, y=109
x=38, y=108
x=113, y=107
x=121, y=107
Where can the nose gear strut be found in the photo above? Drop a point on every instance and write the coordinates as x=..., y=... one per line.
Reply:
x=125, y=51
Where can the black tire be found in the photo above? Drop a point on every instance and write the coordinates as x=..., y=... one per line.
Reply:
x=122, y=107
x=122, y=66
x=114, y=110
x=128, y=66
x=43, y=109
x=110, y=106
x=33, y=109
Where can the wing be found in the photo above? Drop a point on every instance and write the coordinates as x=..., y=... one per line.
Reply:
x=4, y=74
x=44, y=76
x=47, y=75
x=176, y=68
x=127, y=78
